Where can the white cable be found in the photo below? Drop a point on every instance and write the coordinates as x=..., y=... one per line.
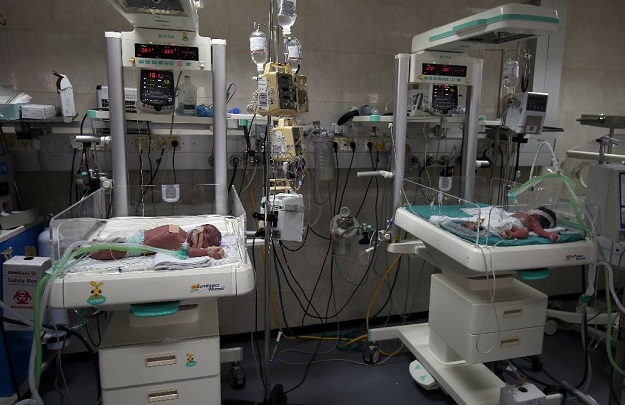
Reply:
x=554, y=159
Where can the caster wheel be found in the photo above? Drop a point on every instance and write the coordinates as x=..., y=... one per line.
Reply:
x=236, y=378
x=371, y=354
x=551, y=327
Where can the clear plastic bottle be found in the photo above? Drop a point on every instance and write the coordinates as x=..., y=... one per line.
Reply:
x=510, y=75
x=286, y=15
x=293, y=52
x=325, y=166
x=258, y=48
x=187, y=98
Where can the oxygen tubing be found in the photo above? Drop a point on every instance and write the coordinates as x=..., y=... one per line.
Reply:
x=42, y=293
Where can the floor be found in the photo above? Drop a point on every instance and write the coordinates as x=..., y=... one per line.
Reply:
x=340, y=376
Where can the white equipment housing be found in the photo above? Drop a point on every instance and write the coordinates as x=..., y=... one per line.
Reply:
x=606, y=196
x=178, y=15
x=526, y=113
x=289, y=208
x=490, y=29
x=130, y=98
x=441, y=68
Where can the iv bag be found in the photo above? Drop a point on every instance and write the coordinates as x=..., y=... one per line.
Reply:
x=510, y=75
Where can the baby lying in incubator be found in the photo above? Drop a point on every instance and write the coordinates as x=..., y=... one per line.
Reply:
x=519, y=224
x=204, y=240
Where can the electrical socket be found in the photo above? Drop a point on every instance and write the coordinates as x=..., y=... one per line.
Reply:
x=174, y=139
x=164, y=142
x=141, y=143
x=343, y=144
x=73, y=144
x=235, y=160
x=24, y=144
x=11, y=142
x=253, y=160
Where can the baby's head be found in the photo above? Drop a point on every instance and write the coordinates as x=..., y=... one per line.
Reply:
x=546, y=217
x=204, y=236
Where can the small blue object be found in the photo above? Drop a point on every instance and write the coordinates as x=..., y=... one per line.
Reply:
x=155, y=309
x=204, y=111
x=234, y=110
x=535, y=274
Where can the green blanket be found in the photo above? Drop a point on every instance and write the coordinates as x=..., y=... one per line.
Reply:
x=454, y=226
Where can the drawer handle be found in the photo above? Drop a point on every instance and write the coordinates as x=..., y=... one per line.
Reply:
x=513, y=313
x=165, y=395
x=510, y=342
x=160, y=360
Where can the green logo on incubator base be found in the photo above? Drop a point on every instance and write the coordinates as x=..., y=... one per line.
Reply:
x=96, y=301
x=96, y=297
x=190, y=360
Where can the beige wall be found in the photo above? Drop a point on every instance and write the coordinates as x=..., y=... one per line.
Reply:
x=348, y=51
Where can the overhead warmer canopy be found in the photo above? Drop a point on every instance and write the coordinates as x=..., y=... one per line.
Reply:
x=178, y=15
x=492, y=29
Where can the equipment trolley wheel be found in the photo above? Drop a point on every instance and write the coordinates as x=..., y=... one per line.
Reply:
x=371, y=354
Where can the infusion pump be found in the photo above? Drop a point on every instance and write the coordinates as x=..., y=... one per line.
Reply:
x=160, y=56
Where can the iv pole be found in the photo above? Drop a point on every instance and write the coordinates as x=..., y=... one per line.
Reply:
x=268, y=224
x=276, y=395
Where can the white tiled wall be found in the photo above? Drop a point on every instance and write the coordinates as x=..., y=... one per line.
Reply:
x=348, y=56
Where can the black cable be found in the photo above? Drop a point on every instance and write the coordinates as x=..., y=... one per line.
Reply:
x=314, y=291
x=300, y=246
x=301, y=289
x=71, y=180
x=244, y=175
x=338, y=175
x=173, y=165
x=349, y=169
x=314, y=354
x=158, y=164
x=234, y=174
x=5, y=345
x=255, y=341
x=318, y=235
x=71, y=331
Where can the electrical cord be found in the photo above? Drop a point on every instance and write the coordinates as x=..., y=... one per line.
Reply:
x=234, y=173
x=71, y=180
x=74, y=333
x=349, y=169
x=173, y=164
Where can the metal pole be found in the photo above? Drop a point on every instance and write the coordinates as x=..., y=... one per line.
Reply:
x=117, y=116
x=402, y=69
x=268, y=226
x=220, y=126
x=471, y=127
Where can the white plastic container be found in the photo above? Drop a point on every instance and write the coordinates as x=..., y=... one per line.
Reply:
x=258, y=49
x=293, y=52
x=187, y=97
x=287, y=14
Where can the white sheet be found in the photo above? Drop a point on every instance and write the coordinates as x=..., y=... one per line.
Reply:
x=127, y=226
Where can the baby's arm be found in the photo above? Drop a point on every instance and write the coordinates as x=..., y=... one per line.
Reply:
x=213, y=251
x=554, y=237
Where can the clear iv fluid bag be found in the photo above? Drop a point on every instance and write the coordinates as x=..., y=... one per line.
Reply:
x=510, y=75
x=286, y=15
x=293, y=51
x=258, y=48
